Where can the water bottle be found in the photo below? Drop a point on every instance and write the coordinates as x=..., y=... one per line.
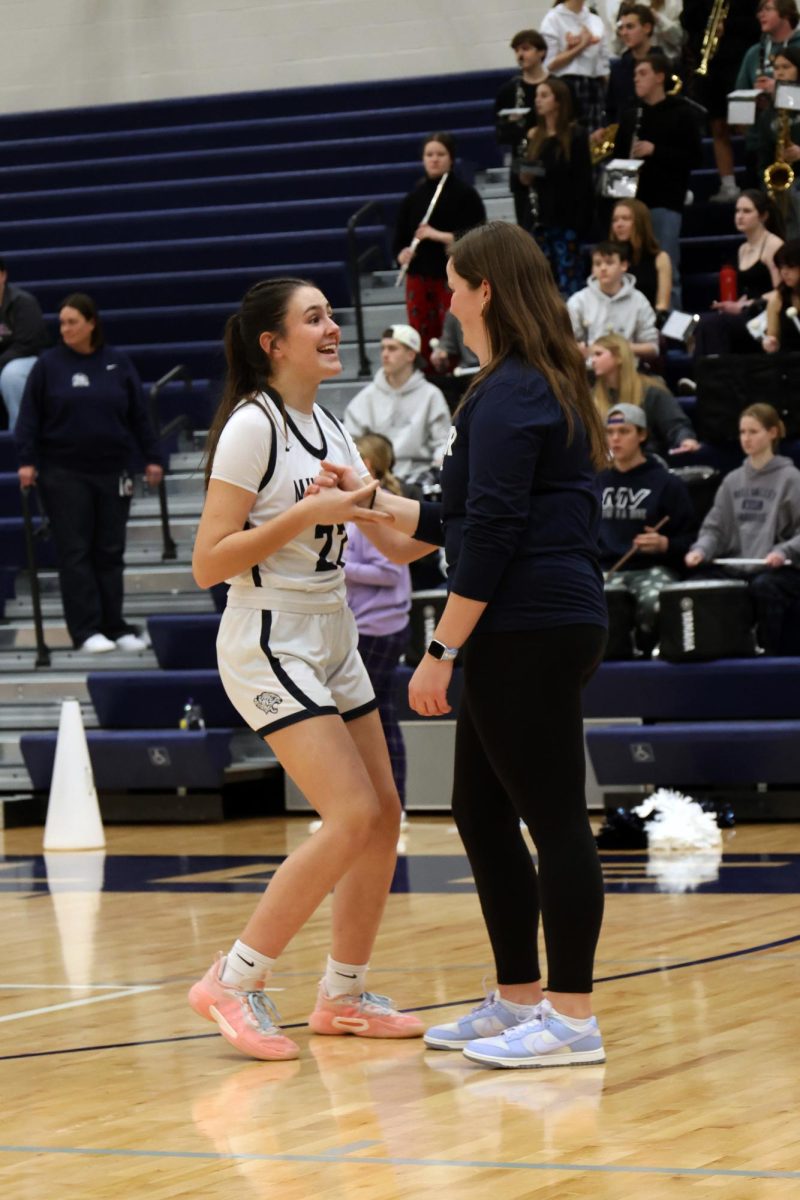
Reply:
x=728, y=283
x=192, y=717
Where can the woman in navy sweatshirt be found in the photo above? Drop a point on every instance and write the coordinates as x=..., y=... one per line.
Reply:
x=519, y=519
x=82, y=414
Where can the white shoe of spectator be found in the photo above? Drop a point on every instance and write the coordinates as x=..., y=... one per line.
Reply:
x=98, y=643
x=725, y=195
x=131, y=642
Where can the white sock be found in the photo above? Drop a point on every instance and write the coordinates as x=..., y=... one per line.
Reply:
x=728, y=183
x=576, y=1023
x=245, y=967
x=344, y=979
x=523, y=1011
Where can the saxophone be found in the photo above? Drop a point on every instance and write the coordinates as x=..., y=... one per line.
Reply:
x=716, y=18
x=779, y=176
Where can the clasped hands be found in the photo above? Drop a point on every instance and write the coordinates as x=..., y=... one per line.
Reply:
x=343, y=495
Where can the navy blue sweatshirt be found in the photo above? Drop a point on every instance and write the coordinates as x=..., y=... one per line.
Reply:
x=639, y=497
x=521, y=507
x=84, y=411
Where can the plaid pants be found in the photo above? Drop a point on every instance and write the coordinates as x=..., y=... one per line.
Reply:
x=380, y=656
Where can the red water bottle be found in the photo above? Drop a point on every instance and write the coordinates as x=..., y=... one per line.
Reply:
x=728, y=283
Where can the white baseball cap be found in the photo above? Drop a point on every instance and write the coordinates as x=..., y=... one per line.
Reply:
x=406, y=335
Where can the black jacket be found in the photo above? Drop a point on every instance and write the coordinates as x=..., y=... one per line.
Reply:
x=564, y=186
x=23, y=332
x=458, y=209
x=672, y=127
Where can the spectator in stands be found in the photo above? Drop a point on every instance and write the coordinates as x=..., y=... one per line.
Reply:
x=617, y=381
x=756, y=516
x=379, y=594
x=453, y=361
x=778, y=21
x=635, y=27
x=514, y=111
x=783, y=306
x=740, y=31
x=725, y=330
x=82, y=414
x=402, y=405
x=610, y=303
x=459, y=208
x=668, y=34
x=638, y=492
x=650, y=266
x=577, y=52
x=663, y=131
x=23, y=336
x=558, y=168
x=786, y=65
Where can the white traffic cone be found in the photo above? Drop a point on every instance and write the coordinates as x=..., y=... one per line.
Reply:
x=73, y=814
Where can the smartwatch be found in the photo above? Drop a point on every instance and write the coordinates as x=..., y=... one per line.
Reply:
x=444, y=653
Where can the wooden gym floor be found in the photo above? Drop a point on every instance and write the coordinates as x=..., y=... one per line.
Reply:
x=113, y=1088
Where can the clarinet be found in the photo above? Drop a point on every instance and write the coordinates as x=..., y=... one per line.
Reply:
x=519, y=102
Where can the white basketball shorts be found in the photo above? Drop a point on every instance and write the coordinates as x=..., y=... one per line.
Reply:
x=280, y=667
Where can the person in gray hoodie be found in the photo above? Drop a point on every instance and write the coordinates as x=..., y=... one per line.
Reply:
x=611, y=303
x=756, y=518
x=403, y=406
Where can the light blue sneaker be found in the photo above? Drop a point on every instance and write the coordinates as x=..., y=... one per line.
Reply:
x=490, y=1017
x=544, y=1041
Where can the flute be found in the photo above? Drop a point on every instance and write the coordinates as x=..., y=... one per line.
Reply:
x=413, y=247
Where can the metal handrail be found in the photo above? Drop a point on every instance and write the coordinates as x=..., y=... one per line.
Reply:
x=169, y=549
x=42, y=649
x=355, y=262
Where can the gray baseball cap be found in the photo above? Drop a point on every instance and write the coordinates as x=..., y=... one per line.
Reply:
x=627, y=414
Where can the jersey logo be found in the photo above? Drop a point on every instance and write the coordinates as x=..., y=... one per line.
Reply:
x=268, y=703
x=80, y=380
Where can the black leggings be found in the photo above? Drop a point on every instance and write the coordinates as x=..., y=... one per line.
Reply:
x=519, y=754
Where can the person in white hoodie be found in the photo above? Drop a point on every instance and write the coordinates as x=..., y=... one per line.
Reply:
x=402, y=405
x=756, y=518
x=611, y=303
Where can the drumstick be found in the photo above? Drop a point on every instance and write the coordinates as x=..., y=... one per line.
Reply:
x=416, y=241
x=630, y=553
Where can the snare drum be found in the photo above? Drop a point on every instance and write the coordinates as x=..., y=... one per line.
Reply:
x=621, y=605
x=705, y=619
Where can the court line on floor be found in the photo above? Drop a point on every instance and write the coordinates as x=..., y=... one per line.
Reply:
x=49, y=1008
x=343, y=1155
x=677, y=966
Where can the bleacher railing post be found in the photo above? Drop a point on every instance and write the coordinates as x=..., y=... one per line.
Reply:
x=42, y=649
x=169, y=549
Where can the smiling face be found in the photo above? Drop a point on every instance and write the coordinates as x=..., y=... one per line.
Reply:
x=308, y=347
x=436, y=159
x=76, y=329
x=467, y=305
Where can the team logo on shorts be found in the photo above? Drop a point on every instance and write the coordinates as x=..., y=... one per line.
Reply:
x=268, y=703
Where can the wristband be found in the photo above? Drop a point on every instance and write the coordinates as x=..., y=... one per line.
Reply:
x=372, y=499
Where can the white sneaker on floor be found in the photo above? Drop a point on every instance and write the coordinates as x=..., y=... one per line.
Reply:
x=131, y=642
x=98, y=643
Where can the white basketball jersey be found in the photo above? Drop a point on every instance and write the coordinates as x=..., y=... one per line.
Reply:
x=276, y=460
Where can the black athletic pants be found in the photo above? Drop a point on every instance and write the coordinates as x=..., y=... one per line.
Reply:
x=519, y=754
x=88, y=518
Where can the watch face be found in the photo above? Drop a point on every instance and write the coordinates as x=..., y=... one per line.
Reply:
x=436, y=649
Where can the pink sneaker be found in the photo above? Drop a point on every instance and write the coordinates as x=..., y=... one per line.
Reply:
x=248, y=1020
x=366, y=1015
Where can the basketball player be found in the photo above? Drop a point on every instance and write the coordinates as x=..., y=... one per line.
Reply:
x=289, y=664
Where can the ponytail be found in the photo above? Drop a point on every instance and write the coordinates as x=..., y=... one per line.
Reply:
x=263, y=310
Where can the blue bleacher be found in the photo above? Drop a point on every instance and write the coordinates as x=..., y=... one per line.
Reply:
x=139, y=759
x=185, y=642
x=156, y=699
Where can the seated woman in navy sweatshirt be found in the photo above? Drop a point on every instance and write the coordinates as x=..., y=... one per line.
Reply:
x=519, y=518
x=638, y=493
x=82, y=415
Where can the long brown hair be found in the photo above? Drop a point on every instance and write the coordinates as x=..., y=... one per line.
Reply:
x=263, y=310
x=564, y=123
x=527, y=319
x=642, y=238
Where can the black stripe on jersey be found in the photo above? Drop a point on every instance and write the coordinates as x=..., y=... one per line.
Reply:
x=319, y=453
x=314, y=710
x=273, y=454
x=333, y=418
x=254, y=570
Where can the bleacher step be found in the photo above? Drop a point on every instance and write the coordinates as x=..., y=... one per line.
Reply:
x=43, y=686
x=19, y=718
x=62, y=659
x=143, y=605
